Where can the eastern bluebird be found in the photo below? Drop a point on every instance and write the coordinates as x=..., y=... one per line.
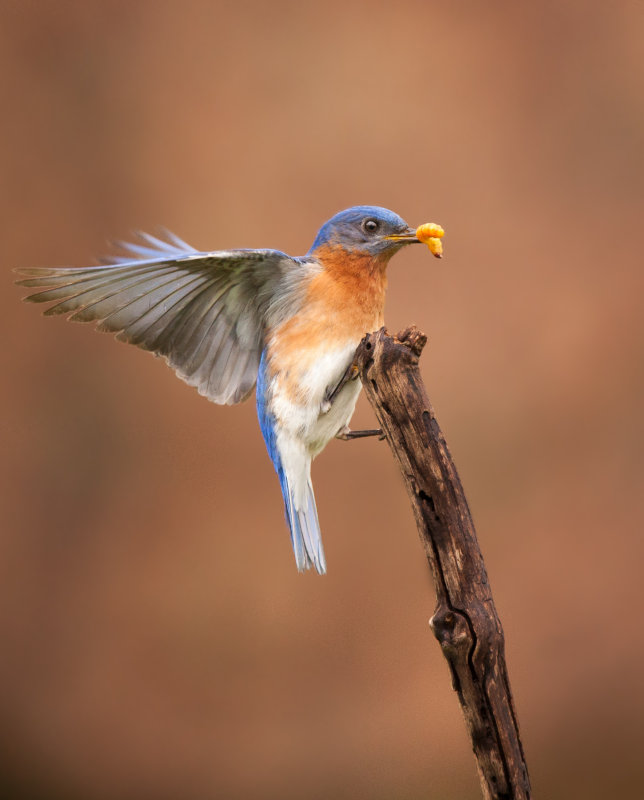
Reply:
x=230, y=319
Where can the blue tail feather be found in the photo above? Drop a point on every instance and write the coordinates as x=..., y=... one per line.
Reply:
x=305, y=529
x=303, y=522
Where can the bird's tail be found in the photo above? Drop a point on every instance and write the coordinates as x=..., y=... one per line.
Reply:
x=302, y=517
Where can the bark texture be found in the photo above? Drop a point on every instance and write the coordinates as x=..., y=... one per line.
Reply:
x=465, y=621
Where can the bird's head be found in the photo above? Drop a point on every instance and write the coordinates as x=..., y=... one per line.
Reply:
x=367, y=231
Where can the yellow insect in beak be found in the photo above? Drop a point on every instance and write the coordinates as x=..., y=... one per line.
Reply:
x=431, y=234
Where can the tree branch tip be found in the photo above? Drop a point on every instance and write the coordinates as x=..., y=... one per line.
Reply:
x=413, y=338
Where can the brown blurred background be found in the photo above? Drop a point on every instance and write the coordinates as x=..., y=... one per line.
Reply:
x=156, y=640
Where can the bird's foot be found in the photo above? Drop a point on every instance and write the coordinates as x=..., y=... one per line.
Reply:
x=346, y=434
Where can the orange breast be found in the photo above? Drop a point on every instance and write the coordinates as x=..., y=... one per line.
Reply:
x=344, y=301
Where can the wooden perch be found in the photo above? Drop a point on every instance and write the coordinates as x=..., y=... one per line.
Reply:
x=465, y=621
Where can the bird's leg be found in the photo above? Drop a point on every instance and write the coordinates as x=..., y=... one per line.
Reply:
x=350, y=374
x=346, y=434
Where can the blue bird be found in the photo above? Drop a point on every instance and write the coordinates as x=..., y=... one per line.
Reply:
x=227, y=320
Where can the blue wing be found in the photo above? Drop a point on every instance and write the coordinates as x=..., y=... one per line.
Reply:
x=297, y=491
x=203, y=312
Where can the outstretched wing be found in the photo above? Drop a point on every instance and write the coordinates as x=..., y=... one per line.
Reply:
x=203, y=312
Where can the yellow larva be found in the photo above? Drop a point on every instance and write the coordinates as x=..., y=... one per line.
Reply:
x=431, y=234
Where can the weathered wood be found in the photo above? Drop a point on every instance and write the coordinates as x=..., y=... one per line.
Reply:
x=465, y=621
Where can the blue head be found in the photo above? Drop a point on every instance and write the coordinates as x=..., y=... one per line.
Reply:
x=369, y=230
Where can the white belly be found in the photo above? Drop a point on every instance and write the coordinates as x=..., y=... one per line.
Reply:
x=310, y=419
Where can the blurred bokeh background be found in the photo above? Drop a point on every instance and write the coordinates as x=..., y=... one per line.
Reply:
x=156, y=640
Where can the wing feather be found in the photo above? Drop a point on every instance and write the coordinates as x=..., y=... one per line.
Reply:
x=203, y=312
x=100, y=302
x=147, y=331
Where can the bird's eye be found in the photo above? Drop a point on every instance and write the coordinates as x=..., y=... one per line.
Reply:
x=370, y=225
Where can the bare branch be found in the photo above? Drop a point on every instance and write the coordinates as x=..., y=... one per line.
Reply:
x=465, y=621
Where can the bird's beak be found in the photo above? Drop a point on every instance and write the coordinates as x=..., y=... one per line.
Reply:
x=406, y=237
x=429, y=233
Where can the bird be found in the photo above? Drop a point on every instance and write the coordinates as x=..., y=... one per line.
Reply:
x=230, y=320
